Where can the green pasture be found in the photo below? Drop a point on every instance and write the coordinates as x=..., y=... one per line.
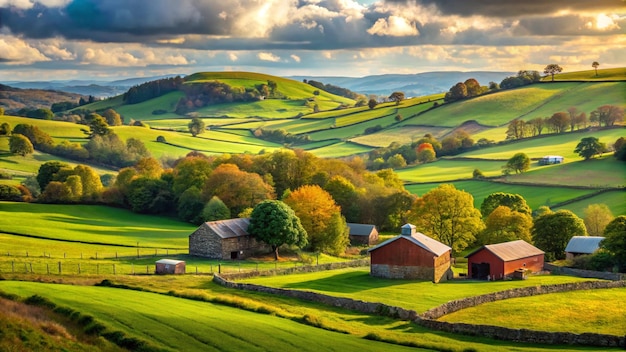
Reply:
x=594, y=311
x=552, y=144
x=405, y=134
x=367, y=115
x=58, y=130
x=602, y=172
x=339, y=149
x=535, y=196
x=447, y=170
x=494, y=109
x=586, y=97
x=590, y=75
x=182, y=123
x=317, y=145
x=420, y=296
x=615, y=200
x=268, y=108
x=353, y=130
x=143, y=111
x=496, y=134
x=336, y=113
x=93, y=223
x=28, y=165
x=185, y=325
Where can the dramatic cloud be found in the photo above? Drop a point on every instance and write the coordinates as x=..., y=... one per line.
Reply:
x=15, y=51
x=268, y=57
x=394, y=26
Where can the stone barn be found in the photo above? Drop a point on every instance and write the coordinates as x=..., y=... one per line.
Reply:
x=581, y=245
x=170, y=266
x=363, y=234
x=225, y=239
x=497, y=261
x=411, y=255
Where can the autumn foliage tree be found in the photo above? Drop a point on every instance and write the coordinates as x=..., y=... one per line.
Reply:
x=504, y=225
x=597, y=216
x=321, y=218
x=448, y=215
x=426, y=153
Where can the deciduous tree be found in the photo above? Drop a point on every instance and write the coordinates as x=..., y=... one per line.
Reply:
x=552, y=69
x=514, y=202
x=595, y=65
x=589, y=147
x=5, y=128
x=552, y=231
x=112, y=117
x=559, y=121
x=615, y=240
x=215, y=209
x=607, y=115
x=372, y=103
x=397, y=97
x=519, y=163
x=317, y=211
x=275, y=223
x=504, y=225
x=91, y=183
x=597, y=216
x=190, y=206
x=191, y=171
x=20, y=145
x=448, y=215
x=196, y=126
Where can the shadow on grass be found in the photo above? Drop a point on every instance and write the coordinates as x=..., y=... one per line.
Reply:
x=349, y=282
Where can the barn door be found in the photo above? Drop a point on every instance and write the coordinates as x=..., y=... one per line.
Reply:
x=480, y=271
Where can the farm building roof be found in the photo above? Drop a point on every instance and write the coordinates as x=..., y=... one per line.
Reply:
x=230, y=228
x=169, y=261
x=509, y=251
x=583, y=244
x=361, y=229
x=418, y=238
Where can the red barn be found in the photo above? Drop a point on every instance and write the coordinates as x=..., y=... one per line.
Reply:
x=412, y=255
x=497, y=261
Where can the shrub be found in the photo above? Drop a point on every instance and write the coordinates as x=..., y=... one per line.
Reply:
x=161, y=139
x=5, y=175
x=36, y=300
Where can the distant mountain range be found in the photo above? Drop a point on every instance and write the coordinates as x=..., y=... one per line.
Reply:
x=410, y=84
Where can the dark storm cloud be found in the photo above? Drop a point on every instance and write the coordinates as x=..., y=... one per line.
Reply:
x=118, y=20
x=517, y=8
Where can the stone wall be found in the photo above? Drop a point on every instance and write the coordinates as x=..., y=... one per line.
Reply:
x=427, y=319
x=297, y=269
x=584, y=273
x=411, y=272
x=205, y=243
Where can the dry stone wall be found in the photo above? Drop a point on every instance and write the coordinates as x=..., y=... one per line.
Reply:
x=297, y=269
x=428, y=319
x=584, y=273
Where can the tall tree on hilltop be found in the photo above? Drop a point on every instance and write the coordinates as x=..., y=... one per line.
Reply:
x=595, y=65
x=552, y=69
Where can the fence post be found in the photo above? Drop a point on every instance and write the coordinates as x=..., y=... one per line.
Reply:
x=96, y=255
x=48, y=268
x=132, y=269
x=25, y=267
x=31, y=268
x=60, y=271
x=147, y=272
x=167, y=252
x=13, y=266
x=98, y=269
x=64, y=255
x=26, y=254
x=113, y=269
x=78, y=268
x=219, y=268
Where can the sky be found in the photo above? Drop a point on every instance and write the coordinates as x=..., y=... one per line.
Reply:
x=116, y=39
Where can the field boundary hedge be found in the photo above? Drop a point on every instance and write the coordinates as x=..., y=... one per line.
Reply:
x=428, y=318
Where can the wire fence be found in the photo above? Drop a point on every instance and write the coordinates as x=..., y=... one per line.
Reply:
x=126, y=253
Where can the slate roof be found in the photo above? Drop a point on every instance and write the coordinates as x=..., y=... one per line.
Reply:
x=509, y=251
x=230, y=228
x=361, y=229
x=430, y=244
x=584, y=244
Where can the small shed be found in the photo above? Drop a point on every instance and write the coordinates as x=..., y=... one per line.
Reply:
x=225, y=239
x=580, y=245
x=551, y=159
x=363, y=234
x=497, y=261
x=170, y=266
x=411, y=255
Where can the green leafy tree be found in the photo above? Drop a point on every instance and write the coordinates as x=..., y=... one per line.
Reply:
x=190, y=206
x=607, y=115
x=552, y=69
x=346, y=195
x=215, y=209
x=98, y=126
x=149, y=196
x=473, y=87
x=504, y=225
x=595, y=65
x=55, y=192
x=448, y=215
x=457, y=92
x=20, y=145
x=552, y=231
x=196, y=126
x=396, y=161
x=75, y=186
x=91, y=184
x=5, y=128
x=191, y=171
x=397, y=97
x=597, y=217
x=48, y=171
x=589, y=147
x=620, y=149
x=615, y=240
x=10, y=193
x=519, y=163
x=275, y=223
x=512, y=201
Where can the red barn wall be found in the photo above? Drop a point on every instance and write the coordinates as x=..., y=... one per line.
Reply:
x=534, y=264
x=402, y=252
x=496, y=265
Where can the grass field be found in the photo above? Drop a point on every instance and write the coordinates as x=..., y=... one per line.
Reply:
x=192, y=326
x=92, y=223
x=339, y=149
x=596, y=311
x=410, y=294
x=535, y=196
x=615, y=200
x=403, y=134
x=590, y=75
x=447, y=170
